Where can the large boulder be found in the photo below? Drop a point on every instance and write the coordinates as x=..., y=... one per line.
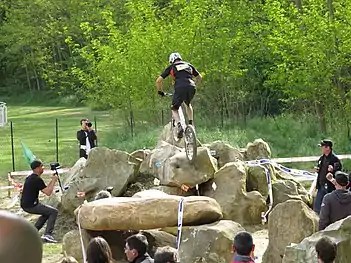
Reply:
x=304, y=252
x=258, y=149
x=177, y=170
x=230, y=192
x=71, y=244
x=289, y=222
x=135, y=213
x=104, y=167
x=173, y=190
x=257, y=180
x=224, y=153
x=167, y=136
x=153, y=163
x=209, y=243
x=284, y=190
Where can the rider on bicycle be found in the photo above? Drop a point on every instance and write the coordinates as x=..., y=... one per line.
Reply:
x=182, y=74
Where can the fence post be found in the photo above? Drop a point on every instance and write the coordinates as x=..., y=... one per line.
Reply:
x=12, y=148
x=56, y=140
x=132, y=123
x=95, y=123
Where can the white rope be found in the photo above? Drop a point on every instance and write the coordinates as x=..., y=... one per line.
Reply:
x=180, y=222
x=81, y=237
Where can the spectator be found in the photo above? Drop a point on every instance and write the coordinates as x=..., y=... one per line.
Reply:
x=136, y=249
x=19, y=240
x=69, y=260
x=243, y=248
x=86, y=137
x=327, y=163
x=99, y=251
x=336, y=205
x=326, y=250
x=166, y=254
x=30, y=202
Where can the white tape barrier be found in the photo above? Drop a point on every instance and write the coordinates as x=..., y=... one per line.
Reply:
x=46, y=172
x=81, y=238
x=306, y=159
x=180, y=222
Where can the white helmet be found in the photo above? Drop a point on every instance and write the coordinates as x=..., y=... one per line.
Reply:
x=173, y=57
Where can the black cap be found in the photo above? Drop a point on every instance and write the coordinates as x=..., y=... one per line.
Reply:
x=342, y=178
x=35, y=164
x=326, y=142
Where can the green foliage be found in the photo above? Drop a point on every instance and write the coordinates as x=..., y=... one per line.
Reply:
x=258, y=58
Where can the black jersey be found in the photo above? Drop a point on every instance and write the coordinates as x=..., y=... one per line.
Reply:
x=182, y=74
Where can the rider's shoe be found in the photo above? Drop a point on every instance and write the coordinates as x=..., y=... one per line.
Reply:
x=180, y=131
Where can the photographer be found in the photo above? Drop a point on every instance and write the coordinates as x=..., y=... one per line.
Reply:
x=30, y=202
x=86, y=137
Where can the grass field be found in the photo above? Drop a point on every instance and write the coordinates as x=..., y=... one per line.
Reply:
x=36, y=127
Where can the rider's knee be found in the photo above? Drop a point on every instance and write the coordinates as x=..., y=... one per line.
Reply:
x=175, y=107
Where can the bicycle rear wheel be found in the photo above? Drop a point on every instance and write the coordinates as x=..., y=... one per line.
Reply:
x=190, y=143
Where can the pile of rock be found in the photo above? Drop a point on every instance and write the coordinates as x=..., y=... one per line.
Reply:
x=232, y=197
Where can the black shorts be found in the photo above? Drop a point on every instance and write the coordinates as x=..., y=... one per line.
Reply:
x=182, y=94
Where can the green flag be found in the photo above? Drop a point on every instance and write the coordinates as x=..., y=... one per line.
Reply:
x=28, y=155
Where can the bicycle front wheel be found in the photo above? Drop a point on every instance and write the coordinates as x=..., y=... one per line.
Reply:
x=190, y=143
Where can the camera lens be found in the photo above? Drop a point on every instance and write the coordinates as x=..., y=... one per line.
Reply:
x=89, y=124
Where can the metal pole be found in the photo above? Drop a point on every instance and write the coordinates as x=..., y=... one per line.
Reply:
x=95, y=123
x=132, y=123
x=12, y=149
x=57, y=157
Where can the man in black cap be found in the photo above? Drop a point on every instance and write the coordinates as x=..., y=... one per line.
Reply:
x=30, y=202
x=336, y=205
x=327, y=163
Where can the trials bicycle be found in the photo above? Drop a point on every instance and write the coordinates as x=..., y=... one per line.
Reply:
x=190, y=140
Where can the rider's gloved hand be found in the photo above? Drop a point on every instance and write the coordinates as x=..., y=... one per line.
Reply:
x=161, y=93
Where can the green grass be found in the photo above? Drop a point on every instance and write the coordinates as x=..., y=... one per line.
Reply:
x=36, y=127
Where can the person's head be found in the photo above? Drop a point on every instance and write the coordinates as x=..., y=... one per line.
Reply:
x=166, y=254
x=37, y=166
x=19, y=240
x=99, y=251
x=326, y=250
x=83, y=123
x=136, y=245
x=103, y=194
x=341, y=180
x=174, y=57
x=326, y=146
x=243, y=244
x=69, y=260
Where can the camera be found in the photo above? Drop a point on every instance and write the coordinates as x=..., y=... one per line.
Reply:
x=89, y=124
x=54, y=166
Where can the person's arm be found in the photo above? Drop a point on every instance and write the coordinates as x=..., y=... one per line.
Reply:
x=50, y=188
x=197, y=75
x=159, y=80
x=80, y=135
x=92, y=134
x=324, y=215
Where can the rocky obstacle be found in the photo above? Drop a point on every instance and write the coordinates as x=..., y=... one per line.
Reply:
x=104, y=167
x=229, y=190
x=209, y=243
x=289, y=222
x=139, y=213
x=149, y=184
x=304, y=252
